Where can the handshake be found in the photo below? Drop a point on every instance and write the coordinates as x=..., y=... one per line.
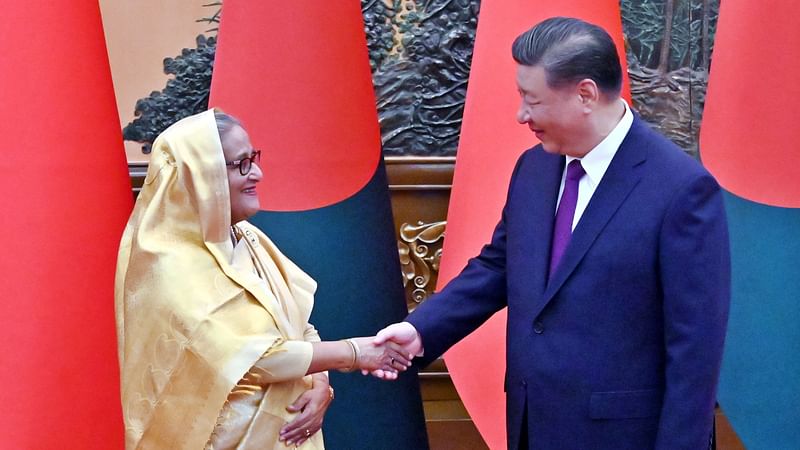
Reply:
x=388, y=353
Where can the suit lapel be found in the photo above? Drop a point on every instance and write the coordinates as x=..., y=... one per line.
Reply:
x=618, y=182
x=546, y=176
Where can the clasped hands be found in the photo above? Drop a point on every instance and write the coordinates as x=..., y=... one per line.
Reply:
x=386, y=354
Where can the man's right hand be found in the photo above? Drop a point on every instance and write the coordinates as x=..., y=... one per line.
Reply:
x=402, y=333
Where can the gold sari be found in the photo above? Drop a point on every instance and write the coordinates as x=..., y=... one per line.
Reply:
x=214, y=340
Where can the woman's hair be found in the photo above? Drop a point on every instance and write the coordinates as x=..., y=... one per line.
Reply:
x=225, y=122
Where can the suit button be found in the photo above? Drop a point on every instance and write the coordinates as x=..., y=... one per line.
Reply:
x=523, y=383
x=538, y=328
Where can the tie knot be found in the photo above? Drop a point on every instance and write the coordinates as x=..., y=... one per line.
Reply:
x=575, y=170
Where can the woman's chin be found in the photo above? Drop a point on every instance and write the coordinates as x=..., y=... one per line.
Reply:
x=252, y=212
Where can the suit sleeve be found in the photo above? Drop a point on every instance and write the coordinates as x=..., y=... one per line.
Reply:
x=695, y=272
x=470, y=298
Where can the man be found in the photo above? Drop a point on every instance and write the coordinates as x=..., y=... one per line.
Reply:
x=612, y=257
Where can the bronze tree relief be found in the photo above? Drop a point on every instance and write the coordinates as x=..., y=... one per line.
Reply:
x=420, y=54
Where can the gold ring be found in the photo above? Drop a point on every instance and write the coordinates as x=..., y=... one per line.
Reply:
x=308, y=433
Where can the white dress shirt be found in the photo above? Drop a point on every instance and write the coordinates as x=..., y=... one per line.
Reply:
x=595, y=163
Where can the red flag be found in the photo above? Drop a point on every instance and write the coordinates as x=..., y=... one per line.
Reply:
x=749, y=140
x=491, y=141
x=65, y=197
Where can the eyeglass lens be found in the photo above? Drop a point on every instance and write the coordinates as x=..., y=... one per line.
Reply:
x=244, y=166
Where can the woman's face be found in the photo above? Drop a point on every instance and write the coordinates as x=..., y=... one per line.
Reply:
x=244, y=199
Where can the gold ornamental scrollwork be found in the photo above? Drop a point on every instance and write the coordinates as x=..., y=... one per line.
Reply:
x=420, y=249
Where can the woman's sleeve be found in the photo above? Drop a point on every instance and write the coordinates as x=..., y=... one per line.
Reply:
x=283, y=361
x=311, y=334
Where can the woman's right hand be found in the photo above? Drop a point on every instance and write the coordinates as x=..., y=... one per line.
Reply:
x=389, y=356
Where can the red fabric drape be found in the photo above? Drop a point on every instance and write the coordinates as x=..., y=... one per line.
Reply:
x=64, y=196
x=298, y=77
x=749, y=138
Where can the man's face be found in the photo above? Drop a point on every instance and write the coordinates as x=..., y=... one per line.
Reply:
x=555, y=116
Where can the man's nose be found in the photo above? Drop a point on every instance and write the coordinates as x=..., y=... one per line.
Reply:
x=522, y=114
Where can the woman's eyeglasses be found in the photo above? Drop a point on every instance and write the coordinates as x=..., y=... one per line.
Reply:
x=245, y=164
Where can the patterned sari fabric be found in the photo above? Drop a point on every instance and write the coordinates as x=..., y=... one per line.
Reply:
x=213, y=337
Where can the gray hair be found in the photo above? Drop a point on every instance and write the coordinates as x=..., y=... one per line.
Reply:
x=225, y=122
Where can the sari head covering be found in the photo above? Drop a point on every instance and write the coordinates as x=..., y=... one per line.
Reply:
x=192, y=318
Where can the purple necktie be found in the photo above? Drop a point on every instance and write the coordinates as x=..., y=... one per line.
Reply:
x=562, y=231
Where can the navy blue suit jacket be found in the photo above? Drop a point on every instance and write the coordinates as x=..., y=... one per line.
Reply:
x=621, y=349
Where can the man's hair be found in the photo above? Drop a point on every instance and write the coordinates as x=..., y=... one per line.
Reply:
x=570, y=50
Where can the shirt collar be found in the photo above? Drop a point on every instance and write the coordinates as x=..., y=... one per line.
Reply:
x=597, y=160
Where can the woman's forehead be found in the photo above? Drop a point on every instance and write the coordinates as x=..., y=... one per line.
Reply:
x=236, y=143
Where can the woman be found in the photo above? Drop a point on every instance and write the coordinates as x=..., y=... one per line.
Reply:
x=215, y=347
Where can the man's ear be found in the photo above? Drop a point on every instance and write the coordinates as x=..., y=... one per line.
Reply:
x=588, y=93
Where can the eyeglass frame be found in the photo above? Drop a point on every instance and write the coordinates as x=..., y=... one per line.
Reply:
x=255, y=158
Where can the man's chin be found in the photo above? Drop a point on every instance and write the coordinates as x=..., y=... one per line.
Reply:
x=549, y=148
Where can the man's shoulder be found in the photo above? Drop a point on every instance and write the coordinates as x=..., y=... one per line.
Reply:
x=535, y=162
x=642, y=133
x=535, y=154
x=664, y=154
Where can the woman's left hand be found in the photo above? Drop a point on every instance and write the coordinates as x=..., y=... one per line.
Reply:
x=311, y=405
